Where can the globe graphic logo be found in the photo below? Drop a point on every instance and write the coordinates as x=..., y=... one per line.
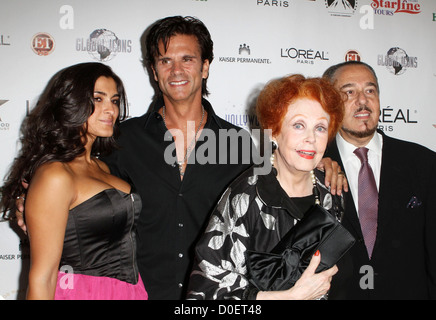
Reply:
x=104, y=44
x=398, y=60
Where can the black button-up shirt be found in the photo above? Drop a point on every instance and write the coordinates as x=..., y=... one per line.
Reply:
x=174, y=211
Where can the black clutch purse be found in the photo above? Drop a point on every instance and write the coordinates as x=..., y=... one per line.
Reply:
x=283, y=266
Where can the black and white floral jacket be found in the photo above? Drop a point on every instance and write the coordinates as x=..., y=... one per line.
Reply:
x=254, y=213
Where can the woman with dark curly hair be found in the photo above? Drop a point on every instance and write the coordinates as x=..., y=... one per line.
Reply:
x=257, y=211
x=80, y=219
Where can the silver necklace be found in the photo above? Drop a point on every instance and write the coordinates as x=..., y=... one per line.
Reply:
x=191, y=145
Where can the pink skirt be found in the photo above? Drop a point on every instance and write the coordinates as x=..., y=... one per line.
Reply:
x=83, y=287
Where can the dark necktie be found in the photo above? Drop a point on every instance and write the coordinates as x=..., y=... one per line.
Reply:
x=368, y=200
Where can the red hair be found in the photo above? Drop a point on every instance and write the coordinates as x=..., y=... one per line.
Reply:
x=277, y=95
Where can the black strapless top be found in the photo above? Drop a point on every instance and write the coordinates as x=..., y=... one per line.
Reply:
x=100, y=236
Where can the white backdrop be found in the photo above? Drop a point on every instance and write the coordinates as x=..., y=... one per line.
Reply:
x=254, y=41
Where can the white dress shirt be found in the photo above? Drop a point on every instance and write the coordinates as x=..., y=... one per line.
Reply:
x=352, y=163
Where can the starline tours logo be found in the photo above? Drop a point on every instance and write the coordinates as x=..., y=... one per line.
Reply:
x=43, y=44
x=103, y=45
x=341, y=8
x=397, y=61
x=389, y=8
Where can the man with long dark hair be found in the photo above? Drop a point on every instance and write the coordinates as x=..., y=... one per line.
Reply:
x=178, y=194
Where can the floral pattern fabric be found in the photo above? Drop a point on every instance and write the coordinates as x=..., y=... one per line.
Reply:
x=254, y=213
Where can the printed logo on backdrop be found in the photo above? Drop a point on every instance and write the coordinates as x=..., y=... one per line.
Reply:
x=397, y=61
x=273, y=3
x=43, y=44
x=304, y=56
x=23, y=252
x=352, y=55
x=341, y=8
x=245, y=121
x=392, y=117
x=3, y=125
x=4, y=40
x=103, y=45
x=244, y=56
x=391, y=7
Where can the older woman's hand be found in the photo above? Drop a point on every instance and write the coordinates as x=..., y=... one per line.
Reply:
x=334, y=176
x=310, y=286
x=313, y=285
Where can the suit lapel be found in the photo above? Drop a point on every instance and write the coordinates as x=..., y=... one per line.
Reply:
x=390, y=178
x=350, y=219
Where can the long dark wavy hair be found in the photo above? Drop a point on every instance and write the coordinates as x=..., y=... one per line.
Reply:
x=55, y=129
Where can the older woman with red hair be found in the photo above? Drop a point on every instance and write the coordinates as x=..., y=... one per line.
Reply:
x=301, y=115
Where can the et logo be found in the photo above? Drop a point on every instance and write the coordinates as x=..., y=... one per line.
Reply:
x=42, y=44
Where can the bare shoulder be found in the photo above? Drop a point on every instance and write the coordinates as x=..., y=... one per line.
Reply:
x=54, y=172
x=53, y=180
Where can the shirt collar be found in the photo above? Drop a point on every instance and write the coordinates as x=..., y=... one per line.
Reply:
x=346, y=149
x=159, y=103
x=272, y=194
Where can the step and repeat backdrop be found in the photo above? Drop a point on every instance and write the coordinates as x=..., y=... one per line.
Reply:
x=254, y=41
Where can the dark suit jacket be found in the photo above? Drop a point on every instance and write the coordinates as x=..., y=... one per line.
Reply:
x=404, y=257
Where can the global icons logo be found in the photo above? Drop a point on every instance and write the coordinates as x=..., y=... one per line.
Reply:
x=103, y=45
x=341, y=8
x=397, y=61
x=42, y=44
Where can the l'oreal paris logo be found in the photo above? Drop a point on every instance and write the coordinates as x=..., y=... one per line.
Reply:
x=4, y=40
x=390, y=117
x=305, y=56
